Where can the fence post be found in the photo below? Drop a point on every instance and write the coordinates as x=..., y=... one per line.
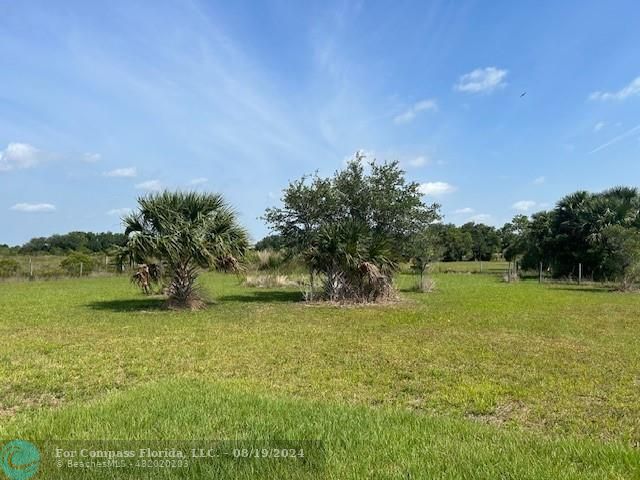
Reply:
x=540, y=274
x=80, y=268
x=579, y=273
x=312, y=286
x=30, y=268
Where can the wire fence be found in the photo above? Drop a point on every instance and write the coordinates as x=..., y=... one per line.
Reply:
x=43, y=267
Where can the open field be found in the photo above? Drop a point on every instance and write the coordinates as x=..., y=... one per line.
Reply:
x=479, y=379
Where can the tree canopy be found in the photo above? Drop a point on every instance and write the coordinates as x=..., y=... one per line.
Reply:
x=380, y=199
x=359, y=218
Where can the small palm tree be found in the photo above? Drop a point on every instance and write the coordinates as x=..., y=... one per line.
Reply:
x=356, y=263
x=186, y=231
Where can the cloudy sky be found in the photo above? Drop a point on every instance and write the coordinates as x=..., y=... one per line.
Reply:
x=101, y=102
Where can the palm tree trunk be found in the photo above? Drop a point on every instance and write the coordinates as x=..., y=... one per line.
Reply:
x=181, y=291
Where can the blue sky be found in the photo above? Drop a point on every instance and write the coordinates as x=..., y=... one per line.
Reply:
x=101, y=102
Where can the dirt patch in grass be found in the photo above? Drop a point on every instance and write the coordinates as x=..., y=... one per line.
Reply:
x=508, y=412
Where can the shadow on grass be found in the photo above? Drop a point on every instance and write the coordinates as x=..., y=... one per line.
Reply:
x=160, y=303
x=130, y=305
x=263, y=296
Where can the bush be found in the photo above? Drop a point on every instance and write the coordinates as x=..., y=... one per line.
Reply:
x=50, y=272
x=77, y=261
x=269, y=281
x=269, y=260
x=8, y=267
x=424, y=285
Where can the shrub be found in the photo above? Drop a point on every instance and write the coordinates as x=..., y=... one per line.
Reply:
x=269, y=260
x=269, y=281
x=8, y=267
x=424, y=285
x=77, y=262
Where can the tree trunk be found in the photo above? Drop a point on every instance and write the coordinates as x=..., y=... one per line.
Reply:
x=181, y=292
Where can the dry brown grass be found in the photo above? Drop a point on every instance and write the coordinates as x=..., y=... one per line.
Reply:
x=269, y=281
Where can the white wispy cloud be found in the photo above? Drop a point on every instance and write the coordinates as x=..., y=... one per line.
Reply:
x=34, y=207
x=465, y=210
x=482, y=80
x=539, y=181
x=119, y=212
x=91, y=157
x=480, y=218
x=615, y=140
x=408, y=115
x=524, y=205
x=122, y=172
x=598, y=126
x=419, y=161
x=198, y=181
x=436, y=188
x=150, y=185
x=630, y=90
x=18, y=156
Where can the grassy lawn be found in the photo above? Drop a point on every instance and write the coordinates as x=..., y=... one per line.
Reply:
x=479, y=379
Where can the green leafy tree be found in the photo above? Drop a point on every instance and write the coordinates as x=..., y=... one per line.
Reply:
x=485, y=240
x=186, y=231
x=457, y=244
x=514, y=237
x=539, y=243
x=270, y=242
x=622, y=254
x=365, y=204
x=424, y=249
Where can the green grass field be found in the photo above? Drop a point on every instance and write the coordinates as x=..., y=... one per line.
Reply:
x=480, y=379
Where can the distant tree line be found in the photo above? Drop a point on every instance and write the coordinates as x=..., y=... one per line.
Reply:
x=88, y=242
x=360, y=223
x=447, y=242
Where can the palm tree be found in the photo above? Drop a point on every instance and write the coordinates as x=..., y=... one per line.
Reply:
x=356, y=262
x=186, y=231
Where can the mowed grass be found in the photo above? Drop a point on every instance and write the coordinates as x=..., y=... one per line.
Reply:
x=348, y=442
x=471, y=267
x=479, y=379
